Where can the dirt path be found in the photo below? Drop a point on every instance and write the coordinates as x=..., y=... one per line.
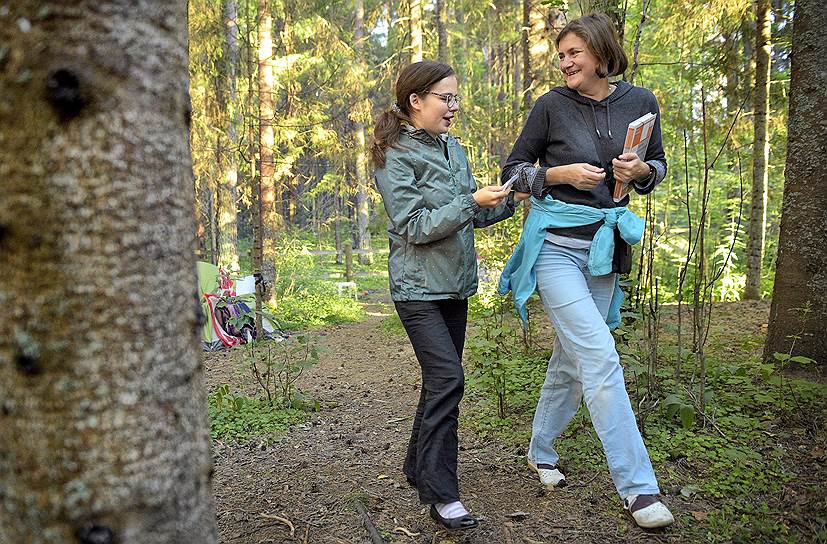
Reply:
x=368, y=384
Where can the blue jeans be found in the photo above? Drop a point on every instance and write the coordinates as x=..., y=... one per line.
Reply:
x=585, y=363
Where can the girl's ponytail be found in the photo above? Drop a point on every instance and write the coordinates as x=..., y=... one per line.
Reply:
x=386, y=134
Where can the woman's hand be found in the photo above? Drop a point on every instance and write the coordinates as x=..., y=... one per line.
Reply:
x=490, y=197
x=581, y=175
x=519, y=197
x=628, y=167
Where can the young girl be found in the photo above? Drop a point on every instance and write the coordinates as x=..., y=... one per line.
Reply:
x=433, y=204
x=573, y=245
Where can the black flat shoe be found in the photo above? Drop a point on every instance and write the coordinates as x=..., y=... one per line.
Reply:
x=464, y=522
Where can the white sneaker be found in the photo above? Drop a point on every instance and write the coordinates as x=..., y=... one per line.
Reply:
x=647, y=511
x=550, y=475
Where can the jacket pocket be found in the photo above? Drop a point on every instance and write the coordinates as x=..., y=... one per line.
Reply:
x=445, y=266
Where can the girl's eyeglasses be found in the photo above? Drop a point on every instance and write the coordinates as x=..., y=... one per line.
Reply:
x=451, y=100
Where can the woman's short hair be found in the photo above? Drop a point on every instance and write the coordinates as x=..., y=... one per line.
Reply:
x=600, y=35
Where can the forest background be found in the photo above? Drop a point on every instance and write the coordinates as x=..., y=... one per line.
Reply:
x=284, y=96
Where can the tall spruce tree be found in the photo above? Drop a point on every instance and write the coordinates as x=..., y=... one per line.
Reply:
x=102, y=406
x=799, y=302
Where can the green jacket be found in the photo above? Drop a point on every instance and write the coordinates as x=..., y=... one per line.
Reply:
x=430, y=203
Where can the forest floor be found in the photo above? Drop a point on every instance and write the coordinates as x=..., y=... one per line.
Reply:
x=307, y=485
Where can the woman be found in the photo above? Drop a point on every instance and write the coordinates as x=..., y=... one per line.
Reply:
x=433, y=204
x=574, y=245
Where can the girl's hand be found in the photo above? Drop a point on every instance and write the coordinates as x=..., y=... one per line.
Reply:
x=581, y=175
x=628, y=167
x=519, y=197
x=490, y=197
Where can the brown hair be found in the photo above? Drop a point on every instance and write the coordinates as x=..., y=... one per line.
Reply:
x=416, y=78
x=600, y=35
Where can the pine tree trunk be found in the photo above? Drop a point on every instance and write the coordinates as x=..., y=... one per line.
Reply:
x=362, y=181
x=271, y=219
x=545, y=25
x=442, y=34
x=253, y=132
x=527, y=80
x=203, y=210
x=799, y=302
x=227, y=186
x=362, y=200
x=760, y=150
x=416, y=30
x=337, y=227
x=103, y=413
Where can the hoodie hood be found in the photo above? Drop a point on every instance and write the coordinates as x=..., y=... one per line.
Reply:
x=621, y=89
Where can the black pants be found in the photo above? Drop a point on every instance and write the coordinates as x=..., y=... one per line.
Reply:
x=437, y=332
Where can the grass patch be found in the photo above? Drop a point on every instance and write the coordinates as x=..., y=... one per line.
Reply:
x=316, y=306
x=392, y=325
x=238, y=418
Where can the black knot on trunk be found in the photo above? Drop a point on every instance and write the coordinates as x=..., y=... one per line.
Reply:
x=27, y=364
x=27, y=356
x=188, y=113
x=95, y=533
x=64, y=94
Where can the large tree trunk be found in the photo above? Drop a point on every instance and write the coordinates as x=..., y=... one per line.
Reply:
x=103, y=413
x=416, y=30
x=227, y=191
x=799, y=303
x=760, y=150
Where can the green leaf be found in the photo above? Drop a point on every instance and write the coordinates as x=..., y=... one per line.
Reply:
x=672, y=400
x=800, y=359
x=687, y=415
x=689, y=490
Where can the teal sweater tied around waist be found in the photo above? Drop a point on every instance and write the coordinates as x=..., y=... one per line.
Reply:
x=518, y=275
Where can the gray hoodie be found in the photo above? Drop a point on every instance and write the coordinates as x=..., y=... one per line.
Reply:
x=562, y=128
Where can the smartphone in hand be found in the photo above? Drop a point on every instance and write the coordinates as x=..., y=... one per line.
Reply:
x=507, y=185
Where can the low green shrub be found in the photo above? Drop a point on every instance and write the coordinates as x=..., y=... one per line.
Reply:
x=238, y=418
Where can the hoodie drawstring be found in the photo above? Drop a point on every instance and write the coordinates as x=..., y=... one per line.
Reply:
x=608, y=115
x=594, y=115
